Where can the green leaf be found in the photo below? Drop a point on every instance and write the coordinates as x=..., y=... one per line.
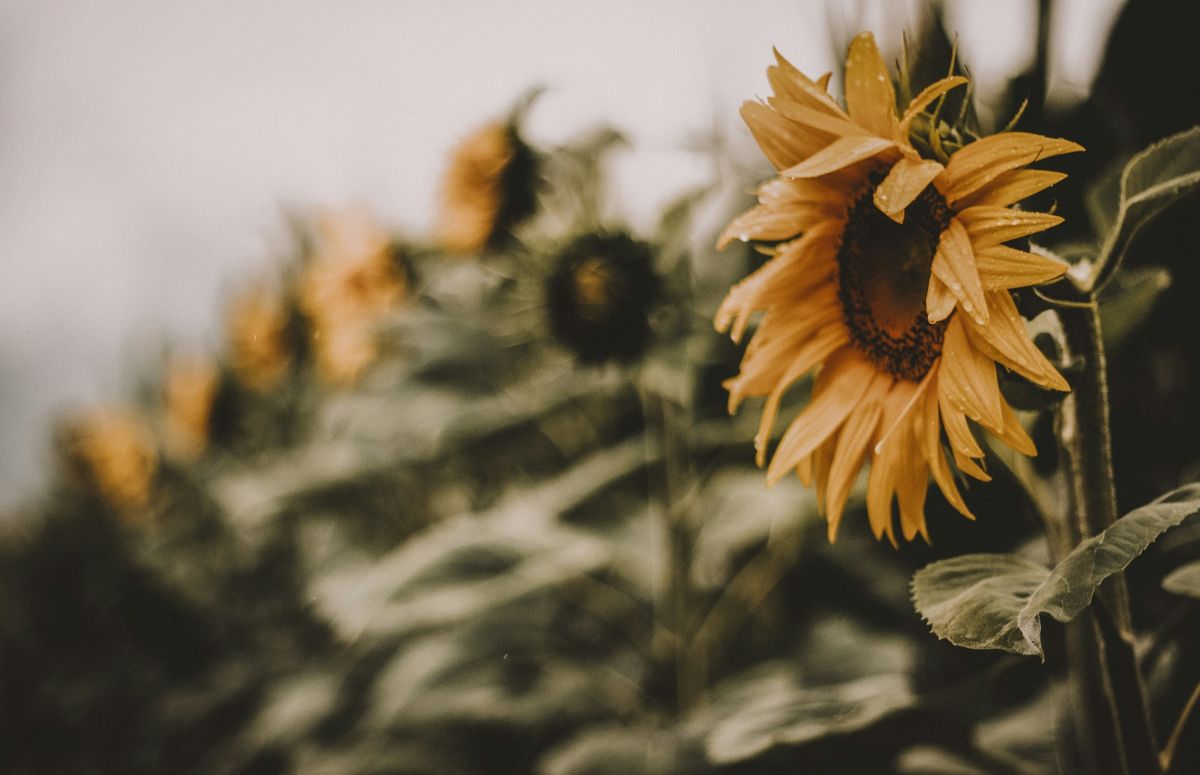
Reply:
x=974, y=600
x=1184, y=580
x=770, y=708
x=1129, y=300
x=1152, y=180
x=995, y=601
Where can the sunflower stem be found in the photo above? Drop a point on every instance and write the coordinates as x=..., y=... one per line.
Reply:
x=1112, y=720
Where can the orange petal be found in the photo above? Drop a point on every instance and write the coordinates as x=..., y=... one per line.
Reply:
x=881, y=487
x=954, y=264
x=929, y=434
x=979, y=163
x=904, y=183
x=970, y=467
x=939, y=300
x=988, y=225
x=783, y=142
x=968, y=378
x=839, y=154
x=1004, y=339
x=855, y=437
x=869, y=95
x=765, y=223
x=813, y=118
x=817, y=349
x=1004, y=267
x=927, y=95
x=1012, y=187
x=912, y=483
x=787, y=80
x=843, y=381
x=957, y=430
x=1014, y=435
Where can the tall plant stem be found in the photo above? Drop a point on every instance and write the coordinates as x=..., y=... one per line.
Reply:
x=1111, y=712
x=673, y=599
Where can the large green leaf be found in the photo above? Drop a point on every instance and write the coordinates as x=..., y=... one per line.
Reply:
x=974, y=600
x=1152, y=180
x=771, y=708
x=1184, y=580
x=995, y=601
x=1128, y=301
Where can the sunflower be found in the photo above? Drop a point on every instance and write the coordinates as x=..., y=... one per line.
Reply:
x=488, y=188
x=352, y=280
x=257, y=323
x=599, y=295
x=189, y=396
x=890, y=276
x=111, y=451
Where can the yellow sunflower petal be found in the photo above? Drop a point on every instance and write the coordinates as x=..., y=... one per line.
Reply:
x=783, y=142
x=957, y=430
x=954, y=264
x=821, y=462
x=988, y=225
x=1004, y=267
x=927, y=96
x=881, y=486
x=856, y=436
x=744, y=298
x=968, y=378
x=837, y=155
x=813, y=118
x=781, y=192
x=939, y=300
x=977, y=164
x=1013, y=434
x=1012, y=187
x=904, y=183
x=817, y=349
x=912, y=483
x=787, y=80
x=929, y=435
x=843, y=381
x=870, y=99
x=970, y=467
x=1004, y=339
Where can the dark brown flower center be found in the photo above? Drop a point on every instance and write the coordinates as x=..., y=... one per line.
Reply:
x=883, y=276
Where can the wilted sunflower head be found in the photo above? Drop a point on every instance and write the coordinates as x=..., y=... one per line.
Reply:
x=890, y=276
x=189, y=395
x=354, y=278
x=257, y=326
x=488, y=188
x=599, y=296
x=111, y=452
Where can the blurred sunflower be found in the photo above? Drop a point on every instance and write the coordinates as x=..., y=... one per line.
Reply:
x=257, y=324
x=352, y=280
x=891, y=275
x=488, y=188
x=189, y=395
x=599, y=295
x=111, y=451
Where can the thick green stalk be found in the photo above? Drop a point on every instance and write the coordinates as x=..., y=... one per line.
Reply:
x=1111, y=711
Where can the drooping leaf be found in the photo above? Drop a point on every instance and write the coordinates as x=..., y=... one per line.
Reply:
x=974, y=600
x=986, y=601
x=773, y=709
x=1184, y=580
x=1129, y=300
x=1152, y=180
x=1074, y=581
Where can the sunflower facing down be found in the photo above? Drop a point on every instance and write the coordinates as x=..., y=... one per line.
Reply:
x=892, y=277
